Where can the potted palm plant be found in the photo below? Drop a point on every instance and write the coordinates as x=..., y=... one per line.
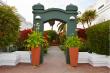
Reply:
x=73, y=43
x=34, y=41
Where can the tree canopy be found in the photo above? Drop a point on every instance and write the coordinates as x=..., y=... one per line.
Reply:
x=62, y=27
x=87, y=17
x=9, y=25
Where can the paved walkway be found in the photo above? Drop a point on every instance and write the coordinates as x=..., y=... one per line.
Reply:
x=54, y=62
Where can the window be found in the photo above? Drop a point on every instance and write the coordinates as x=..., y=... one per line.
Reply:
x=101, y=6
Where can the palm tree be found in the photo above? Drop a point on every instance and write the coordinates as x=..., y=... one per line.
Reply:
x=51, y=22
x=62, y=27
x=88, y=16
x=82, y=20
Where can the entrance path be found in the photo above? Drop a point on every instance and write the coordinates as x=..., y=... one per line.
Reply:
x=54, y=62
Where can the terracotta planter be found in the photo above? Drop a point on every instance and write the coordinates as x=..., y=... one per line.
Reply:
x=35, y=56
x=73, y=53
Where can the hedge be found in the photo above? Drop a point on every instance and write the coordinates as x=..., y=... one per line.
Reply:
x=98, y=38
x=84, y=48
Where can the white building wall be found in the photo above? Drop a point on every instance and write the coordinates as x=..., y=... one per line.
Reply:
x=103, y=11
x=2, y=3
x=102, y=8
x=26, y=25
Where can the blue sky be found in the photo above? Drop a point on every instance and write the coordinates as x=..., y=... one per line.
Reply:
x=24, y=7
x=85, y=4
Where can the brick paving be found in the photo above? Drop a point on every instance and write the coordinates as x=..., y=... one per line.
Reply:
x=54, y=62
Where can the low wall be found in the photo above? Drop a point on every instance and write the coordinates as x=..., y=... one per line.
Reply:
x=12, y=59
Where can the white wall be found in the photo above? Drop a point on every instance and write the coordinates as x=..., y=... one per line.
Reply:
x=103, y=14
x=25, y=25
x=2, y=3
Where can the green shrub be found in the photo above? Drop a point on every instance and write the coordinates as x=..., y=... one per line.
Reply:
x=45, y=46
x=9, y=26
x=34, y=40
x=52, y=35
x=98, y=38
x=83, y=48
x=62, y=38
x=72, y=42
x=63, y=48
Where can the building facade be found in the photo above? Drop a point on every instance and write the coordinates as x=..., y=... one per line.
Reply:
x=102, y=8
x=2, y=3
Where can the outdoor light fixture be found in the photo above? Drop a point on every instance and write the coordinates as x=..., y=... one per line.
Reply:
x=72, y=18
x=37, y=23
x=79, y=12
x=38, y=17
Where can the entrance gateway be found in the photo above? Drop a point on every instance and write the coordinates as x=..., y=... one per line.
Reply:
x=40, y=16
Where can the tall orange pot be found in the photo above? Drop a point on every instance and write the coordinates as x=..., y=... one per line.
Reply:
x=35, y=53
x=73, y=53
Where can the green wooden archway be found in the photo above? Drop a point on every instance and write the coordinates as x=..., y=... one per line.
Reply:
x=40, y=16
